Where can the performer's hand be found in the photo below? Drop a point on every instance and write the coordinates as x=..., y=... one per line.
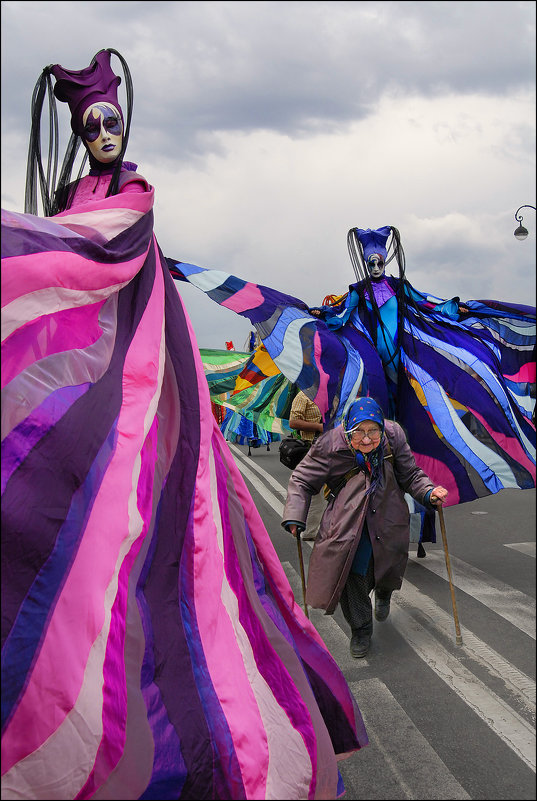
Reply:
x=438, y=496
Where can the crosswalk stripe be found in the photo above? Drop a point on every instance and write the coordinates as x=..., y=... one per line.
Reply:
x=496, y=713
x=274, y=483
x=510, y=726
x=527, y=548
x=512, y=729
x=514, y=606
x=256, y=482
x=516, y=682
x=385, y=720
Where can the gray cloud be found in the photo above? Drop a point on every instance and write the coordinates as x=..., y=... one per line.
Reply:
x=291, y=67
x=270, y=128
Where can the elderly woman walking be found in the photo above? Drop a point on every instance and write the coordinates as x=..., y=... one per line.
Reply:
x=363, y=539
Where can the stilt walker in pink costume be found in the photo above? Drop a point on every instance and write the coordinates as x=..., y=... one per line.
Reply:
x=151, y=643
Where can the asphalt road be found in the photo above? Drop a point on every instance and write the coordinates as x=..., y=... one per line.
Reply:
x=445, y=720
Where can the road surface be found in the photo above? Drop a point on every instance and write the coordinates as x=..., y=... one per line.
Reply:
x=444, y=720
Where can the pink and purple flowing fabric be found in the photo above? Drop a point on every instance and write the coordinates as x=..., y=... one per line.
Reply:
x=461, y=385
x=151, y=643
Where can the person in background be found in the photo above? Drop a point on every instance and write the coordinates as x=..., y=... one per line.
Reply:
x=305, y=418
x=363, y=538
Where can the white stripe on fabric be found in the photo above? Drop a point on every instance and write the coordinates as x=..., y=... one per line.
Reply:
x=289, y=767
x=290, y=360
x=499, y=336
x=50, y=300
x=524, y=402
x=67, y=368
x=207, y=280
x=67, y=757
x=517, y=326
x=456, y=433
x=465, y=356
x=352, y=395
x=101, y=225
x=488, y=377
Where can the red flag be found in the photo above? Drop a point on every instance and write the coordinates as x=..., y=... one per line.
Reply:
x=230, y=346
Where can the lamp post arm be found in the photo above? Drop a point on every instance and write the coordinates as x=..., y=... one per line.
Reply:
x=519, y=219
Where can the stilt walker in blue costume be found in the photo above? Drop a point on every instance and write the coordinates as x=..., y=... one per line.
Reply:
x=458, y=376
x=378, y=303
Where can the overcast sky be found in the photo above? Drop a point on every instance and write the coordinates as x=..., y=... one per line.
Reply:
x=268, y=129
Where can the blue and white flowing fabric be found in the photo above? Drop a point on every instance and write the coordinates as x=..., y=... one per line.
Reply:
x=461, y=385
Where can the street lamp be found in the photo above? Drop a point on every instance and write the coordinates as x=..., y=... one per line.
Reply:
x=521, y=232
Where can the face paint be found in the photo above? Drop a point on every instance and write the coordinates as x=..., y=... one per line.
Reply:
x=375, y=265
x=103, y=131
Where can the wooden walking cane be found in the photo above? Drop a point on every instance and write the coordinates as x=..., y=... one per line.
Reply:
x=301, y=563
x=458, y=636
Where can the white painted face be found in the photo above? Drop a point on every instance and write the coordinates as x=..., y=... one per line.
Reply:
x=375, y=265
x=103, y=131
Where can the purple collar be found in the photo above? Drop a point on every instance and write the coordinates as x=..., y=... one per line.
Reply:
x=381, y=290
x=108, y=169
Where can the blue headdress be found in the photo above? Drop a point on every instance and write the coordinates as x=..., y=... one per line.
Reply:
x=362, y=242
x=373, y=241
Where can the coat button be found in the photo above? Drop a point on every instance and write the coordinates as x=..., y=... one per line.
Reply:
x=377, y=538
x=373, y=511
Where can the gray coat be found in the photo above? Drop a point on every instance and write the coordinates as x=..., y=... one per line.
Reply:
x=385, y=510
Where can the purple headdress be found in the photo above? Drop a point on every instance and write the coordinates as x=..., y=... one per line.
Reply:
x=82, y=88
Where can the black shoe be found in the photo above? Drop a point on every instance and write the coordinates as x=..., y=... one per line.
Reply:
x=360, y=645
x=382, y=607
x=421, y=551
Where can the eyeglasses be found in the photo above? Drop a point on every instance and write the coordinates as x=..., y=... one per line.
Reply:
x=372, y=433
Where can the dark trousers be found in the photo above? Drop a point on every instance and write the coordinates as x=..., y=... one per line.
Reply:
x=355, y=601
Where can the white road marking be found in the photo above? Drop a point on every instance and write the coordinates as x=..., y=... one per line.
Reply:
x=256, y=482
x=512, y=605
x=515, y=681
x=516, y=732
x=527, y=548
x=385, y=721
x=512, y=729
x=247, y=467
